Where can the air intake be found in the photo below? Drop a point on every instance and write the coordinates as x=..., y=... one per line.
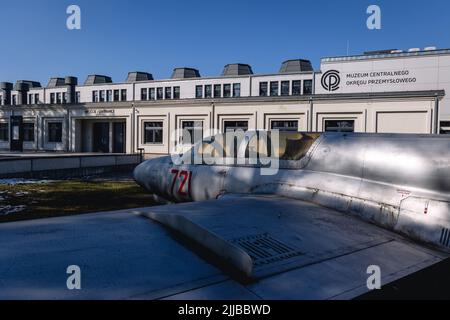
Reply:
x=137, y=76
x=185, y=73
x=237, y=69
x=97, y=79
x=297, y=65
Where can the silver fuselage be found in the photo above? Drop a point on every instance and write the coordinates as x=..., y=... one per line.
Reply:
x=400, y=182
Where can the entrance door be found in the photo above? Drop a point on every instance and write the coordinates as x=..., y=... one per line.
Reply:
x=16, y=134
x=101, y=137
x=119, y=137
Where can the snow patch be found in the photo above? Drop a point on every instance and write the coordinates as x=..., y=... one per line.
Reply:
x=13, y=182
x=7, y=210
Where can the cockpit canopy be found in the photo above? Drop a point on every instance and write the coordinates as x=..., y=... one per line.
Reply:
x=290, y=146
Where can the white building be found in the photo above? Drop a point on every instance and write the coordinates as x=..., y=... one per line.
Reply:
x=386, y=91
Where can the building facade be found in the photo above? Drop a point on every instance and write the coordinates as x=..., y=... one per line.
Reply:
x=387, y=91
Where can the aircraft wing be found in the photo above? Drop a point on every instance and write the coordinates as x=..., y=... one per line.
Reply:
x=236, y=247
x=278, y=248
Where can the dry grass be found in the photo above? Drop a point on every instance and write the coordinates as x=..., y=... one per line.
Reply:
x=71, y=197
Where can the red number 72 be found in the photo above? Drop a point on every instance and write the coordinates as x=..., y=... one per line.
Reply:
x=185, y=175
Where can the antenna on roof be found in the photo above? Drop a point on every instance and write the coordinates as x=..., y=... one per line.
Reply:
x=348, y=47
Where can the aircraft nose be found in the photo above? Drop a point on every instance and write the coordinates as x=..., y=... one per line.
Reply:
x=149, y=175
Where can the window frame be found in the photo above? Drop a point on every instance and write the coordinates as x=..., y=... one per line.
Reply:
x=59, y=132
x=295, y=87
x=144, y=94
x=159, y=93
x=273, y=85
x=176, y=92
x=266, y=84
x=94, y=95
x=4, y=131
x=285, y=128
x=192, y=130
x=227, y=90
x=217, y=86
x=116, y=98
x=285, y=84
x=236, y=90
x=28, y=130
x=168, y=93
x=123, y=94
x=153, y=129
x=199, y=92
x=208, y=91
x=152, y=94
x=310, y=87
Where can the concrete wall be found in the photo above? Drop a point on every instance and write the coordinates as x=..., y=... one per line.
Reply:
x=65, y=165
x=390, y=114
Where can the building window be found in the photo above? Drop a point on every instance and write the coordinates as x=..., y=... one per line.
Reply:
x=2, y=102
x=4, y=131
x=340, y=125
x=102, y=96
x=116, y=95
x=307, y=87
x=14, y=100
x=36, y=98
x=77, y=97
x=152, y=94
x=28, y=132
x=30, y=99
x=58, y=98
x=64, y=97
x=123, y=95
x=199, y=92
x=296, y=87
x=273, y=88
x=52, y=98
x=227, y=90
x=109, y=95
x=445, y=127
x=236, y=90
x=153, y=132
x=159, y=93
x=192, y=131
x=176, y=92
x=94, y=96
x=144, y=94
x=168, y=93
x=217, y=91
x=55, y=132
x=284, y=88
x=208, y=91
x=284, y=125
x=233, y=125
x=263, y=89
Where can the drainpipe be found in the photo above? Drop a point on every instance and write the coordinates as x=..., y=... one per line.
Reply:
x=436, y=115
x=133, y=128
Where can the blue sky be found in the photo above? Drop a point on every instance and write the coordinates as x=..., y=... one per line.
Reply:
x=156, y=36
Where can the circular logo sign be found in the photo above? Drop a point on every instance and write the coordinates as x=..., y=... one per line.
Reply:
x=331, y=80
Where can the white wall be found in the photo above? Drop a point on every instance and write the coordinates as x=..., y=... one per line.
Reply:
x=428, y=72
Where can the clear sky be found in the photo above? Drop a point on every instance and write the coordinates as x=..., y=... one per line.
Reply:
x=118, y=36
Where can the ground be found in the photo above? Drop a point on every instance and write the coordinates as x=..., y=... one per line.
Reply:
x=24, y=200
